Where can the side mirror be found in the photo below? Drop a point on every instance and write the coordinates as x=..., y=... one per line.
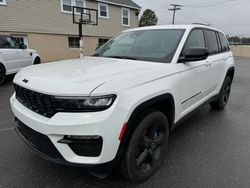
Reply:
x=22, y=46
x=195, y=54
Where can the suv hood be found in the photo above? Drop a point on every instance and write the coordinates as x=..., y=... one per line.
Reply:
x=79, y=77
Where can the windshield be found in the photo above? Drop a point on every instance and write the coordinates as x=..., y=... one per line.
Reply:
x=147, y=45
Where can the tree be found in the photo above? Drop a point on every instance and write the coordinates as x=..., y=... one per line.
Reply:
x=234, y=40
x=148, y=18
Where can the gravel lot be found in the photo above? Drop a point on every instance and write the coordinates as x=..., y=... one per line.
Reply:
x=210, y=149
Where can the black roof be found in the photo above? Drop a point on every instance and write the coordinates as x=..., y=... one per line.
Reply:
x=128, y=3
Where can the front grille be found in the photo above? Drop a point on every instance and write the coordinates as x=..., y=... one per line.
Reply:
x=40, y=103
x=39, y=141
x=87, y=148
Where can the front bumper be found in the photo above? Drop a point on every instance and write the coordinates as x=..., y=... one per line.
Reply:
x=106, y=124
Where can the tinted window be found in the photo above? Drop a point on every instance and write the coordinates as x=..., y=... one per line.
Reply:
x=212, y=42
x=224, y=43
x=4, y=43
x=195, y=39
x=7, y=42
x=1, y=43
x=147, y=45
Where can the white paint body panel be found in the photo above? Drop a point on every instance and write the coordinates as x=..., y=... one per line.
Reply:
x=16, y=59
x=134, y=82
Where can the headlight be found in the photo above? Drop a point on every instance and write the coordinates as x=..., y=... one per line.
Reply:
x=84, y=104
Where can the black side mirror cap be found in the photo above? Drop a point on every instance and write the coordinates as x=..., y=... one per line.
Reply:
x=195, y=54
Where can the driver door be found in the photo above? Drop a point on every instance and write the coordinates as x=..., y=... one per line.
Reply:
x=26, y=57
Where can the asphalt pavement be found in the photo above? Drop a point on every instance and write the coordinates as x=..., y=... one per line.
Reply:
x=209, y=149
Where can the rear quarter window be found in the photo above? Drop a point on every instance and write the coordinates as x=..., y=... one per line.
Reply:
x=224, y=43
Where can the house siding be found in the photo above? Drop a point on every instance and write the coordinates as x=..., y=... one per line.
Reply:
x=45, y=16
x=47, y=28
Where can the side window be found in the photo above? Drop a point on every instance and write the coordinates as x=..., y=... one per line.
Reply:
x=224, y=43
x=195, y=39
x=1, y=43
x=4, y=43
x=212, y=42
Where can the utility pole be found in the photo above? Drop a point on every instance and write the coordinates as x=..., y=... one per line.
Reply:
x=174, y=9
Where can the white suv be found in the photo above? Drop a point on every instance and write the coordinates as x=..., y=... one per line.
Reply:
x=14, y=56
x=118, y=106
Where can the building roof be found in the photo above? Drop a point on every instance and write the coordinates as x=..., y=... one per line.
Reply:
x=125, y=3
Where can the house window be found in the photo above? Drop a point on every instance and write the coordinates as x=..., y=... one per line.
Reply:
x=20, y=39
x=125, y=17
x=3, y=2
x=67, y=5
x=79, y=3
x=74, y=42
x=103, y=10
x=102, y=41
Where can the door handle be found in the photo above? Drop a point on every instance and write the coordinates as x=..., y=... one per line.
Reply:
x=224, y=58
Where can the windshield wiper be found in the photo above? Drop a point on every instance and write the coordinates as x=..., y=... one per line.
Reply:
x=121, y=57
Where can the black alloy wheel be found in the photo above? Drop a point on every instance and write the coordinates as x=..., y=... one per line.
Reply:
x=224, y=95
x=147, y=147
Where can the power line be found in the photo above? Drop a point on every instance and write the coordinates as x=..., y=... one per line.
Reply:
x=174, y=9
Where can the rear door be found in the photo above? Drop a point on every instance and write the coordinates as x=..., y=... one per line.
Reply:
x=215, y=61
x=226, y=55
x=25, y=56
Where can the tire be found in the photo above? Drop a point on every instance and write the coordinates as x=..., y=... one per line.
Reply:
x=147, y=147
x=2, y=74
x=37, y=61
x=224, y=94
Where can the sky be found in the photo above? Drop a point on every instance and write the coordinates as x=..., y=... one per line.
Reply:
x=232, y=16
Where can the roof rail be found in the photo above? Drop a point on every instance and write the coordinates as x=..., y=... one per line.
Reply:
x=202, y=24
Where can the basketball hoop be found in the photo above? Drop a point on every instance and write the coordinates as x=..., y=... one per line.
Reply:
x=84, y=16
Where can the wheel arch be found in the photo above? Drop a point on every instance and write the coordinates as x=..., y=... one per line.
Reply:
x=37, y=58
x=1, y=64
x=164, y=103
x=230, y=73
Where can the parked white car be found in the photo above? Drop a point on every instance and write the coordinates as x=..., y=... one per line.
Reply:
x=14, y=56
x=118, y=106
